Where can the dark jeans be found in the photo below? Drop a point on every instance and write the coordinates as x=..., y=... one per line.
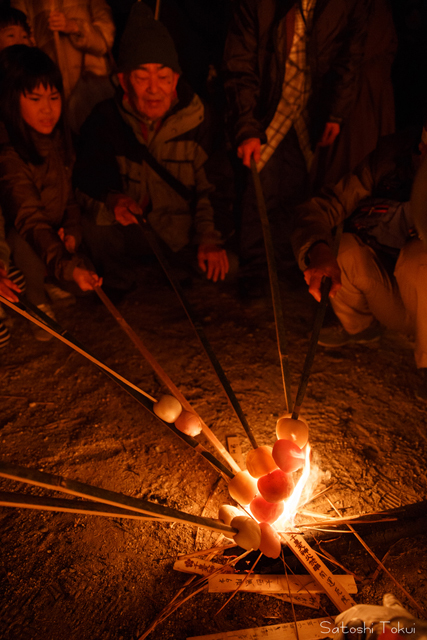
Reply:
x=284, y=181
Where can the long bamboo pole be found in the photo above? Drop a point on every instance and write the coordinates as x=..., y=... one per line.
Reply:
x=61, y=60
x=165, y=378
x=219, y=371
x=275, y=289
x=56, y=330
x=75, y=488
x=86, y=508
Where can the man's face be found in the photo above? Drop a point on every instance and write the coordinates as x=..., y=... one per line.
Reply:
x=153, y=88
x=13, y=34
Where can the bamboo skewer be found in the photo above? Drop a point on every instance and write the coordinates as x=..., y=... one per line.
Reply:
x=318, y=322
x=144, y=399
x=157, y=11
x=73, y=487
x=275, y=289
x=26, y=501
x=68, y=340
x=165, y=378
x=62, y=62
x=219, y=371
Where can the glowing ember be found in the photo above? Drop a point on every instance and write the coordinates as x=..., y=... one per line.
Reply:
x=291, y=505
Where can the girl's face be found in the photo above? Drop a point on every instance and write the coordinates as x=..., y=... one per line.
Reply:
x=41, y=109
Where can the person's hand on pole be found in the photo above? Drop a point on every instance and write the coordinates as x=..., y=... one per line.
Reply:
x=58, y=21
x=322, y=264
x=213, y=261
x=85, y=279
x=248, y=148
x=124, y=208
x=331, y=131
x=7, y=287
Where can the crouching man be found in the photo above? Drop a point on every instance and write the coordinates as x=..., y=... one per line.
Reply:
x=144, y=152
x=380, y=276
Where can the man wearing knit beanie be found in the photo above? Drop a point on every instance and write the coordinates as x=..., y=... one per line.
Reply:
x=152, y=111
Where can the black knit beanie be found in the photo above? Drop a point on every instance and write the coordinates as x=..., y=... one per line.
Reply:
x=144, y=41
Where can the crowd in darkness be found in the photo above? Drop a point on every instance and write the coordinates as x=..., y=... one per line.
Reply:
x=111, y=114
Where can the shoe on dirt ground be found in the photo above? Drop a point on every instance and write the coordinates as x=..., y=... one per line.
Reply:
x=56, y=294
x=40, y=334
x=338, y=337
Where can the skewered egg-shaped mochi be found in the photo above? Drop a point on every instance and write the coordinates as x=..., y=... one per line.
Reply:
x=242, y=488
x=167, y=408
x=288, y=455
x=276, y=486
x=188, y=423
x=259, y=461
x=249, y=536
x=294, y=430
x=265, y=511
x=270, y=544
x=227, y=512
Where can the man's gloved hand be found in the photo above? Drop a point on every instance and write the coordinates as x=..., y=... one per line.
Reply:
x=358, y=622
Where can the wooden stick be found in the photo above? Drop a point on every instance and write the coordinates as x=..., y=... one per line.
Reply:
x=240, y=585
x=62, y=62
x=73, y=487
x=25, y=501
x=157, y=11
x=275, y=289
x=219, y=371
x=318, y=322
x=164, y=377
x=413, y=602
x=68, y=340
x=144, y=399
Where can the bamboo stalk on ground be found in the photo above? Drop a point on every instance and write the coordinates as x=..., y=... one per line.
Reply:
x=144, y=399
x=165, y=378
x=45, y=503
x=413, y=602
x=73, y=487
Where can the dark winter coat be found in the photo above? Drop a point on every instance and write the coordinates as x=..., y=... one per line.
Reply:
x=38, y=200
x=254, y=63
x=111, y=161
x=369, y=199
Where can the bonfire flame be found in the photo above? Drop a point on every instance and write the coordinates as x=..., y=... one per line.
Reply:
x=291, y=504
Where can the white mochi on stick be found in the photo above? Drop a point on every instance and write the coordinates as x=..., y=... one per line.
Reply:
x=167, y=408
x=249, y=532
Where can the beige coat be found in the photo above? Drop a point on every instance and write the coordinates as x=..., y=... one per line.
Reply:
x=86, y=50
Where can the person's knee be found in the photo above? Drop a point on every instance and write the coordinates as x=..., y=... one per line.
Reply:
x=355, y=254
x=411, y=265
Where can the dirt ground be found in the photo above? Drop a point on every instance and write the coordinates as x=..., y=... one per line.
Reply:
x=87, y=577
